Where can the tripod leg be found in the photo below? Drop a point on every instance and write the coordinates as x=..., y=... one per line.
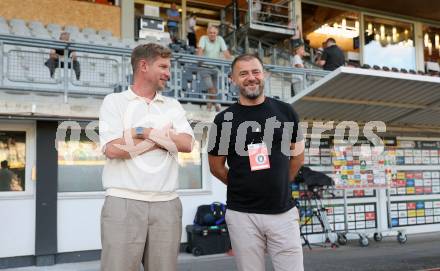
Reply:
x=306, y=241
x=331, y=236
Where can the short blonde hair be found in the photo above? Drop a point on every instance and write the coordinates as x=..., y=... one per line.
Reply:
x=150, y=52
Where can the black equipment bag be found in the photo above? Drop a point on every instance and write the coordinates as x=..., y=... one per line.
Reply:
x=210, y=215
x=205, y=240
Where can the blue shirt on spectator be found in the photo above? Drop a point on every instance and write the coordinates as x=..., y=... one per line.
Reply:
x=172, y=13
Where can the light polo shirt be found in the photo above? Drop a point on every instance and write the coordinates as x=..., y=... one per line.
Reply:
x=153, y=175
x=212, y=49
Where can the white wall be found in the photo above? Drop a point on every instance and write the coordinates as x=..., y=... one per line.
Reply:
x=17, y=227
x=79, y=222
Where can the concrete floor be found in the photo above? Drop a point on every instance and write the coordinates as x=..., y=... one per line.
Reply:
x=421, y=252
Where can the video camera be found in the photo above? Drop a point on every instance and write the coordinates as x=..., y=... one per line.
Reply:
x=313, y=179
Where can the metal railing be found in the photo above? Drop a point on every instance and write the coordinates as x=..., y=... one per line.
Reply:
x=263, y=28
x=106, y=70
x=269, y=13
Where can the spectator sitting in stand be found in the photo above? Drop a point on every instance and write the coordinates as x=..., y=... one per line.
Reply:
x=212, y=45
x=54, y=58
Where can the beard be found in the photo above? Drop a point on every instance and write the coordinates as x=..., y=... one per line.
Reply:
x=252, y=89
x=160, y=85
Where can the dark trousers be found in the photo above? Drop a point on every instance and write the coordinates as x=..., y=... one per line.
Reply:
x=192, y=39
x=53, y=63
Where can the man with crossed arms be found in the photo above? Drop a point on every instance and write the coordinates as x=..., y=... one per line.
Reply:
x=141, y=132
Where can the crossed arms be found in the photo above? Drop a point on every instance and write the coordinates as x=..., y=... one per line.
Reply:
x=130, y=145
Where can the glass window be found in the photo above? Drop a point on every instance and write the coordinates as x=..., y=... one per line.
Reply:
x=80, y=164
x=190, y=168
x=389, y=43
x=320, y=23
x=13, y=160
x=431, y=48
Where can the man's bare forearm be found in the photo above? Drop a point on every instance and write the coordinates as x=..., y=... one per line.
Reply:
x=296, y=163
x=170, y=140
x=218, y=168
x=120, y=149
x=221, y=174
x=129, y=146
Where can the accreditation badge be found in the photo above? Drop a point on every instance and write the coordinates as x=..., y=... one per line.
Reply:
x=258, y=156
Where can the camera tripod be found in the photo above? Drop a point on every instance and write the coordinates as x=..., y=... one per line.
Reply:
x=320, y=212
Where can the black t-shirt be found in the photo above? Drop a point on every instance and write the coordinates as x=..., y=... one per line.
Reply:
x=334, y=58
x=265, y=191
x=60, y=52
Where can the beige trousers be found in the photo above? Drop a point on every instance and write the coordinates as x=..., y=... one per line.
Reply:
x=254, y=234
x=138, y=232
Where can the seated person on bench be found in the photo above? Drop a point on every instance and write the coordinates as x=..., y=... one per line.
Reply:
x=55, y=54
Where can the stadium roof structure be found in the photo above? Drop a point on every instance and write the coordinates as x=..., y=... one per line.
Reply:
x=407, y=102
x=424, y=9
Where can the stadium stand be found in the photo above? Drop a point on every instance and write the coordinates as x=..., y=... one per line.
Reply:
x=105, y=64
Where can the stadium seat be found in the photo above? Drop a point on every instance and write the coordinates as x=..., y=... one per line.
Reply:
x=73, y=30
x=89, y=31
x=53, y=27
x=95, y=39
x=365, y=66
x=129, y=43
x=17, y=23
x=36, y=25
x=175, y=47
x=54, y=30
x=113, y=41
x=20, y=30
x=78, y=38
x=105, y=33
x=4, y=28
x=41, y=33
